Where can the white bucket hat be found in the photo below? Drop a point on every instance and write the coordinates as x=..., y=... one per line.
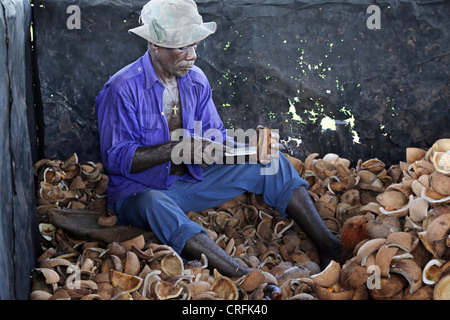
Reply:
x=172, y=23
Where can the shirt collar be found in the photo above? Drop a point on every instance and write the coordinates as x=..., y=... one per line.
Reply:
x=151, y=77
x=150, y=74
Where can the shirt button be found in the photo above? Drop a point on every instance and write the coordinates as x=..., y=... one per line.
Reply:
x=139, y=69
x=162, y=113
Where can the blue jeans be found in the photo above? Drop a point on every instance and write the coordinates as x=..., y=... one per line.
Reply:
x=163, y=211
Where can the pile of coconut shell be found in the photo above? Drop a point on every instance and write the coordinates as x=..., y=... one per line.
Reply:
x=394, y=224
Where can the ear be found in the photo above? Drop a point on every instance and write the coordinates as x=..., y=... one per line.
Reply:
x=152, y=46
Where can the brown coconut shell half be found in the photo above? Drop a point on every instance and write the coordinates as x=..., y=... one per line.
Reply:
x=198, y=287
x=54, y=262
x=132, y=264
x=437, y=235
x=138, y=241
x=50, y=275
x=432, y=271
x=165, y=290
x=388, y=287
x=125, y=282
x=433, y=196
x=172, y=264
x=423, y=293
x=383, y=259
x=402, y=240
x=414, y=154
x=441, y=158
x=418, y=210
x=442, y=289
x=352, y=274
x=440, y=183
x=397, y=212
x=60, y=294
x=392, y=199
x=295, y=162
x=40, y=295
x=251, y=281
x=409, y=269
x=329, y=276
x=302, y=296
x=382, y=226
x=368, y=248
x=333, y=293
x=224, y=287
x=373, y=165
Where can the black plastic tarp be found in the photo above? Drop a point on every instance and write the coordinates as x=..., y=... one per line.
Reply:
x=18, y=220
x=311, y=69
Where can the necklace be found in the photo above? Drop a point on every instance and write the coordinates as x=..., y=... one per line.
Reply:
x=175, y=101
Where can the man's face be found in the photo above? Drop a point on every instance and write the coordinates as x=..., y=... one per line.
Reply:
x=176, y=62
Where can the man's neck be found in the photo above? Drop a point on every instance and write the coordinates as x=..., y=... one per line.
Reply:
x=163, y=76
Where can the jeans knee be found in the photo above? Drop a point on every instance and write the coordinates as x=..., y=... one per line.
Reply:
x=151, y=198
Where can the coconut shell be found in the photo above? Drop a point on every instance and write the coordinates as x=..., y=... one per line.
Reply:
x=436, y=236
x=367, y=249
x=60, y=294
x=295, y=162
x=138, y=241
x=50, y=275
x=418, y=209
x=432, y=271
x=198, y=287
x=336, y=293
x=352, y=274
x=441, y=162
x=293, y=273
x=442, y=289
x=382, y=226
x=373, y=165
x=440, y=183
x=414, y=154
x=402, y=240
x=224, y=287
x=252, y=280
x=40, y=295
x=353, y=232
x=384, y=257
x=172, y=265
x=303, y=296
x=434, y=197
x=132, y=264
x=125, y=281
x=54, y=262
x=423, y=293
x=329, y=276
x=165, y=290
x=409, y=269
x=388, y=288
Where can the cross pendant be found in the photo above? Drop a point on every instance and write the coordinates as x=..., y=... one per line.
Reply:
x=175, y=108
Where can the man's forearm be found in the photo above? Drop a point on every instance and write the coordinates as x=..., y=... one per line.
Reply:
x=148, y=157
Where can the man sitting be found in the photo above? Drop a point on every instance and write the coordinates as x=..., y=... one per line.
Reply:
x=139, y=109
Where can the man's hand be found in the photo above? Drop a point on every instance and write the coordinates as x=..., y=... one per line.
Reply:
x=196, y=150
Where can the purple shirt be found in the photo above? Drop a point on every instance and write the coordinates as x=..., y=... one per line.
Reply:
x=130, y=115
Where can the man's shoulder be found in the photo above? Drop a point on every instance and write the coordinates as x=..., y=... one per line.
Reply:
x=130, y=73
x=198, y=76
